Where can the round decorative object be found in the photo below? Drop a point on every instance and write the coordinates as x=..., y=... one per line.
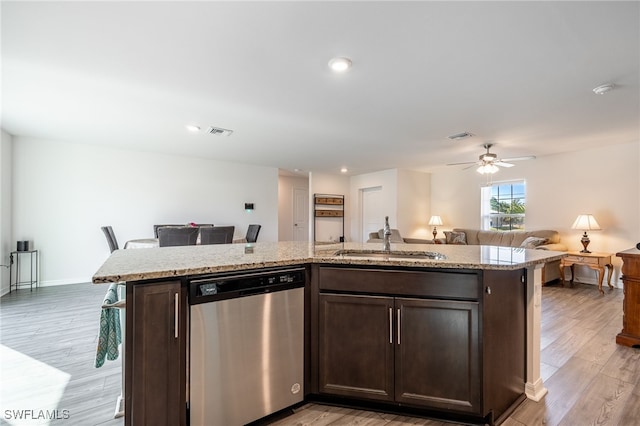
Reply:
x=638, y=246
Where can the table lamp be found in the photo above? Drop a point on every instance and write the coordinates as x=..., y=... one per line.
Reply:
x=435, y=221
x=585, y=222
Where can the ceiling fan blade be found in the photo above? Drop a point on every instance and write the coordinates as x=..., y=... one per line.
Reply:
x=502, y=164
x=529, y=157
x=468, y=167
x=460, y=164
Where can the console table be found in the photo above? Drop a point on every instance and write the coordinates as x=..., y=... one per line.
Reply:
x=630, y=334
x=32, y=281
x=595, y=261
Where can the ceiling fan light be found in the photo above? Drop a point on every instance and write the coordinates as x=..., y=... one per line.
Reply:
x=487, y=169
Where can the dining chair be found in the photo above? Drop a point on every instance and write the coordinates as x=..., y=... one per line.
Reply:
x=177, y=236
x=111, y=238
x=252, y=233
x=217, y=235
x=155, y=227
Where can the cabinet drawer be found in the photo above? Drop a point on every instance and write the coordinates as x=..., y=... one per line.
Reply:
x=454, y=285
x=582, y=259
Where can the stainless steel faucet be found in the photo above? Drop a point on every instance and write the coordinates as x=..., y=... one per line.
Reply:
x=387, y=235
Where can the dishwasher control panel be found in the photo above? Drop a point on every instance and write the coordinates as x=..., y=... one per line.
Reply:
x=219, y=287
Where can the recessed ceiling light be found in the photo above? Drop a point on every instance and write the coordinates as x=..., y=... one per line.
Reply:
x=601, y=90
x=192, y=128
x=344, y=170
x=340, y=64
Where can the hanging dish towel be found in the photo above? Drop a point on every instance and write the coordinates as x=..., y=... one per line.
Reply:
x=110, y=334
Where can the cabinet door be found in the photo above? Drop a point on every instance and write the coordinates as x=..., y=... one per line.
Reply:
x=356, y=346
x=155, y=360
x=437, y=354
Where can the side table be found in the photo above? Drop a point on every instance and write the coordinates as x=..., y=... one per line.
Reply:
x=31, y=281
x=595, y=261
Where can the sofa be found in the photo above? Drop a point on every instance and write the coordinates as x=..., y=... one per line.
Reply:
x=378, y=237
x=539, y=240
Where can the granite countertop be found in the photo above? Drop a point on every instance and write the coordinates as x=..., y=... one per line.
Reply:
x=167, y=262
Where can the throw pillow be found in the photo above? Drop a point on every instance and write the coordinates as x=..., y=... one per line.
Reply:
x=533, y=242
x=455, y=237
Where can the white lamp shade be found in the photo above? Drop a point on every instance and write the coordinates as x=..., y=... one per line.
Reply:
x=435, y=220
x=586, y=222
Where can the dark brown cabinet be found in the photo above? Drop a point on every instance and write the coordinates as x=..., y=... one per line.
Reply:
x=444, y=341
x=356, y=350
x=437, y=340
x=155, y=354
x=630, y=334
x=375, y=347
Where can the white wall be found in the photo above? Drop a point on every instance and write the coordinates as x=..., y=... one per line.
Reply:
x=286, y=187
x=603, y=181
x=329, y=229
x=406, y=196
x=7, y=243
x=64, y=192
x=387, y=180
x=414, y=204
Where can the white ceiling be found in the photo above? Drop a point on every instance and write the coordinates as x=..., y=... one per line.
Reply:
x=516, y=74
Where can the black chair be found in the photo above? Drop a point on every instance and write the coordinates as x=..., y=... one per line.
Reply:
x=252, y=233
x=177, y=236
x=155, y=227
x=111, y=238
x=217, y=235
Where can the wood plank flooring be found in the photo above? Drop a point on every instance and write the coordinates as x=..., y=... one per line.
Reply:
x=48, y=339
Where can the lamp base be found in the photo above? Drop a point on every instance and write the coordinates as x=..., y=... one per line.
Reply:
x=585, y=242
x=435, y=232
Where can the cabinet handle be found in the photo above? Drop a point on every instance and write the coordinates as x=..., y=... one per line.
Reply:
x=390, y=325
x=488, y=290
x=176, y=315
x=398, y=325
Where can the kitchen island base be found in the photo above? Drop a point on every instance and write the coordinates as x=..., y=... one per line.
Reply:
x=443, y=343
x=474, y=310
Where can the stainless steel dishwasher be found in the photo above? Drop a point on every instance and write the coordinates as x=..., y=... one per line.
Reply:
x=246, y=345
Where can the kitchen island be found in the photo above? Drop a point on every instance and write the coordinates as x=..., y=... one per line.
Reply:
x=481, y=303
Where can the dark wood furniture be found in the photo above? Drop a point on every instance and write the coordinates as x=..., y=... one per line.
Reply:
x=630, y=334
x=442, y=341
x=155, y=356
x=595, y=261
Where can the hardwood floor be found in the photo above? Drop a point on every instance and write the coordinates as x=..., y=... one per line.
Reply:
x=48, y=339
x=48, y=343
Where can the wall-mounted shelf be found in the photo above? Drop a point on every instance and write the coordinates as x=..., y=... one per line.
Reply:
x=328, y=212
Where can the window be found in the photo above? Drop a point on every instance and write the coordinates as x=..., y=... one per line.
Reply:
x=503, y=206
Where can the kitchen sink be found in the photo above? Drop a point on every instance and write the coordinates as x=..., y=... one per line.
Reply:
x=409, y=255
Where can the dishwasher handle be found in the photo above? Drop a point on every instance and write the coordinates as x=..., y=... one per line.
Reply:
x=256, y=290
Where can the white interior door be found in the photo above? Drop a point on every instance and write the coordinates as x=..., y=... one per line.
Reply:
x=372, y=220
x=300, y=214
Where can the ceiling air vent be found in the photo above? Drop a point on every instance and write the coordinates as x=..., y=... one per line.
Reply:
x=460, y=136
x=219, y=131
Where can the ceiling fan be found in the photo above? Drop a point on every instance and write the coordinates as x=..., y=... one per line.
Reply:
x=489, y=161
